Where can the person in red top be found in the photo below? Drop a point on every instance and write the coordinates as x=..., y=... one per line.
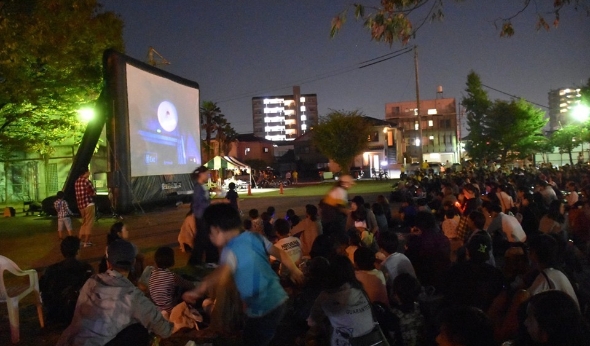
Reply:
x=84, y=193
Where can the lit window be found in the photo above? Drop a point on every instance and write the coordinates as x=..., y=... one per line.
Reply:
x=303, y=118
x=431, y=137
x=416, y=126
x=432, y=111
x=302, y=99
x=303, y=108
x=304, y=127
x=265, y=149
x=417, y=142
x=430, y=123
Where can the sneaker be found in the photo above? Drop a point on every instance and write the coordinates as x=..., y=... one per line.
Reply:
x=88, y=244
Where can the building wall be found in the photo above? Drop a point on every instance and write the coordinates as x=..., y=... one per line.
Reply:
x=254, y=151
x=561, y=102
x=284, y=117
x=438, y=119
x=34, y=177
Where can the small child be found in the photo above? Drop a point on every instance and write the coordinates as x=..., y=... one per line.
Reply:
x=449, y=225
x=256, y=221
x=232, y=196
x=163, y=284
x=292, y=217
x=247, y=224
x=63, y=214
x=267, y=227
x=271, y=211
x=291, y=245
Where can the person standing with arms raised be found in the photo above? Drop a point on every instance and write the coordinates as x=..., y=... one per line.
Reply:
x=84, y=199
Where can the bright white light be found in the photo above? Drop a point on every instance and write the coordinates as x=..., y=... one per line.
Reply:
x=432, y=111
x=86, y=114
x=274, y=110
x=581, y=112
x=383, y=163
x=417, y=142
x=272, y=101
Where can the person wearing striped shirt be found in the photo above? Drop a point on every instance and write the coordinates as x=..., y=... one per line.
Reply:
x=63, y=214
x=84, y=198
x=163, y=284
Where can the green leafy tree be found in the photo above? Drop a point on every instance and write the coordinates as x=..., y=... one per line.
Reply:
x=50, y=66
x=341, y=136
x=226, y=135
x=513, y=127
x=476, y=104
x=216, y=126
x=210, y=112
x=392, y=21
x=544, y=146
x=568, y=138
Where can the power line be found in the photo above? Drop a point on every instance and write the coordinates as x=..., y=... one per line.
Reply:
x=325, y=75
x=514, y=96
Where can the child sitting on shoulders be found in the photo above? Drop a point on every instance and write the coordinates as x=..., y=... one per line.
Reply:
x=164, y=285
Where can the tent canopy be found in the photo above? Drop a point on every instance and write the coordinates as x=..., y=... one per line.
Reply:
x=226, y=162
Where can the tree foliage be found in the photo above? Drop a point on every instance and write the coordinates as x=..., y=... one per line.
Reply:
x=505, y=129
x=566, y=139
x=50, y=66
x=215, y=125
x=476, y=105
x=398, y=20
x=341, y=136
x=514, y=127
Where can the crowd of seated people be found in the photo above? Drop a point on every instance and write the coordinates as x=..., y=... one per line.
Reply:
x=471, y=257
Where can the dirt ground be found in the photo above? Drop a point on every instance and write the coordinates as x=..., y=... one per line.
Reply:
x=32, y=242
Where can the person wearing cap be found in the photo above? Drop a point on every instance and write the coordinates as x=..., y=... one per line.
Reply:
x=333, y=209
x=111, y=310
x=474, y=282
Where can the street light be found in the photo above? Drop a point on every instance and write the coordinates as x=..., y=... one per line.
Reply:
x=86, y=114
x=581, y=112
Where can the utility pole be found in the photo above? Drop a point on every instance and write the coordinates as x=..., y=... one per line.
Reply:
x=420, y=155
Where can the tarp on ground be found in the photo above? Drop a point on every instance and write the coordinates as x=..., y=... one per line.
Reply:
x=226, y=162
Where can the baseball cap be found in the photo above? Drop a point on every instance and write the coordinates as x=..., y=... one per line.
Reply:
x=479, y=247
x=121, y=254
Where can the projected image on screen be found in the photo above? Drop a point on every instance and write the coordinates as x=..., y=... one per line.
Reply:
x=163, y=125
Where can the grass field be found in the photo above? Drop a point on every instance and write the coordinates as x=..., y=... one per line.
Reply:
x=320, y=189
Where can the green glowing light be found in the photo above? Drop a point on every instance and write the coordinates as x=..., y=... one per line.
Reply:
x=581, y=112
x=86, y=114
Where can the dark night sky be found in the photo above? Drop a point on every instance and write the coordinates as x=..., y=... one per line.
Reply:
x=239, y=49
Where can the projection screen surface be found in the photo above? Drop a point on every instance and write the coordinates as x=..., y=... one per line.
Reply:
x=164, y=129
